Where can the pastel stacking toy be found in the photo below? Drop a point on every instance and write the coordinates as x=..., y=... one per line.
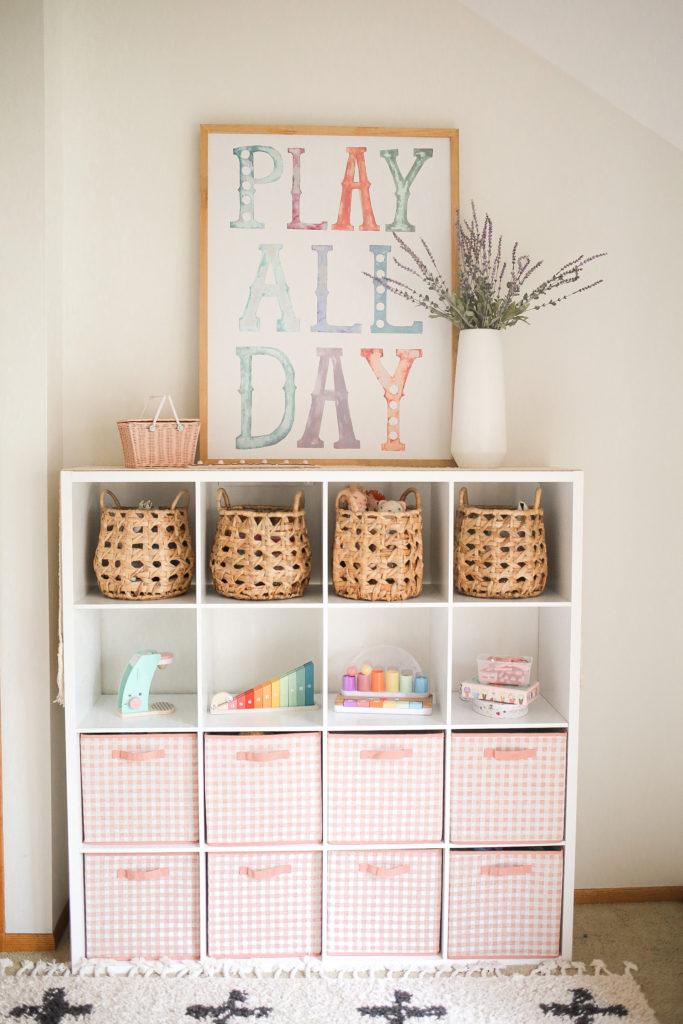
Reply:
x=294, y=689
x=376, y=690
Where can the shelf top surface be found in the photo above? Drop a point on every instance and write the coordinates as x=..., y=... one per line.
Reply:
x=337, y=473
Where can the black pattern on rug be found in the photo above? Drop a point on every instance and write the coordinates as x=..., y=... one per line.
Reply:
x=53, y=1009
x=582, y=1009
x=400, y=1010
x=228, y=1010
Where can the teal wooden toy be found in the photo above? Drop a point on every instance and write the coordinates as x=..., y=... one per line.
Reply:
x=136, y=682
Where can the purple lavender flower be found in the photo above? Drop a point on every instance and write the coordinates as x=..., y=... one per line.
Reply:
x=487, y=293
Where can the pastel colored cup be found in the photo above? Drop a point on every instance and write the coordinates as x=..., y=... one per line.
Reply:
x=364, y=681
x=378, y=679
x=392, y=680
x=421, y=684
x=348, y=682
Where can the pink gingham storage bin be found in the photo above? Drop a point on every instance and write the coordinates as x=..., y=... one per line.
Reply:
x=264, y=904
x=507, y=788
x=384, y=902
x=139, y=788
x=263, y=789
x=142, y=906
x=385, y=788
x=504, y=904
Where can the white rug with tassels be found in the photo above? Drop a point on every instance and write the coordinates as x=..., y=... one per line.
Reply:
x=167, y=993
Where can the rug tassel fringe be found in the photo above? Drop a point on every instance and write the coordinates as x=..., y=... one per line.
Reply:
x=306, y=968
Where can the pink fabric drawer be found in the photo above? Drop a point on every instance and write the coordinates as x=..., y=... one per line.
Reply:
x=263, y=789
x=142, y=906
x=504, y=904
x=385, y=788
x=139, y=788
x=384, y=902
x=264, y=904
x=507, y=788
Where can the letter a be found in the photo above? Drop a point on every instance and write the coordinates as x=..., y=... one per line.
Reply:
x=340, y=396
x=277, y=289
x=355, y=158
x=393, y=389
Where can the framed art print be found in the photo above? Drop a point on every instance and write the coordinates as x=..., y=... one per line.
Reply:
x=304, y=355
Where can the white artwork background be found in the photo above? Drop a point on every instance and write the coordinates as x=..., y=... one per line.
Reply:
x=233, y=258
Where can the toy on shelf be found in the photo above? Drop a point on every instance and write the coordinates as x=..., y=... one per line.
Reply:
x=383, y=706
x=491, y=668
x=385, y=690
x=502, y=687
x=474, y=689
x=133, y=698
x=293, y=689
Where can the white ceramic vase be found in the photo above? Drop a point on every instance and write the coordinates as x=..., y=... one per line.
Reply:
x=478, y=435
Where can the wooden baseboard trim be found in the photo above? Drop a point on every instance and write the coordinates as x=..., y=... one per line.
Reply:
x=18, y=942
x=642, y=894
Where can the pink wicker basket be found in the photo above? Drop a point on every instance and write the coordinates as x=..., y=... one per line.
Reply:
x=166, y=443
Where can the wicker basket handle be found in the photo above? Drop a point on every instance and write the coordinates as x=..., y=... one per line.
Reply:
x=463, y=499
x=411, y=490
x=178, y=497
x=222, y=499
x=117, y=503
x=299, y=501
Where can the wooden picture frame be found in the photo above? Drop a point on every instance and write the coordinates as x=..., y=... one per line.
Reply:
x=305, y=358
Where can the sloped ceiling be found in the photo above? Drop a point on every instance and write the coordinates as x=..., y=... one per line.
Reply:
x=630, y=52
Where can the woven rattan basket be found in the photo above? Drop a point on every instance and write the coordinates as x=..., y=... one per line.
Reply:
x=499, y=551
x=143, y=554
x=378, y=555
x=162, y=443
x=260, y=552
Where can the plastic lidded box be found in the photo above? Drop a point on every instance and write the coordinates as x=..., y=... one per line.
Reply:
x=512, y=671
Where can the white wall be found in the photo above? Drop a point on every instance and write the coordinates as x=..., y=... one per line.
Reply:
x=628, y=51
x=24, y=527
x=592, y=384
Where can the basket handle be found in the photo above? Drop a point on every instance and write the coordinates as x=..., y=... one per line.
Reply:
x=142, y=876
x=299, y=501
x=117, y=503
x=411, y=490
x=178, y=497
x=510, y=755
x=503, y=870
x=264, y=874
x=222, y=499
x=164, y=398
x=385, y=755
x=378, y=872
x=462, y=497
x=537, y=497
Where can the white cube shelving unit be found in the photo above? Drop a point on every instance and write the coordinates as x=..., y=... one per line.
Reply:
x=223, y=644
